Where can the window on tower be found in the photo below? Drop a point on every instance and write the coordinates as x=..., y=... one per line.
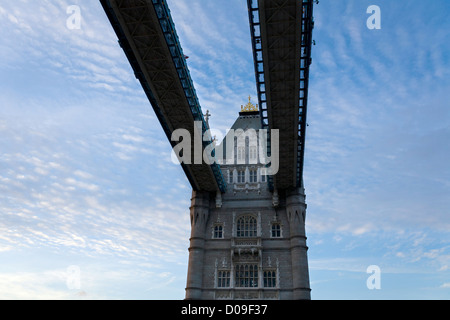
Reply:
x=218, y=231
x=246, y=276
x=241, y=154
x=252, y=154
x=246, y=227
x=241, y=176
x=276, y=230
x=223, y=279
x=270, y=279
x=253, y=175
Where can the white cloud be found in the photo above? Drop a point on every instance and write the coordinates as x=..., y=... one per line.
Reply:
x=133, y=138
x=82, y=174
x=34, y=286
x=82, y=185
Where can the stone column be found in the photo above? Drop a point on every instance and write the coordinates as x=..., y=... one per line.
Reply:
x=296, y=212
x=199, y=213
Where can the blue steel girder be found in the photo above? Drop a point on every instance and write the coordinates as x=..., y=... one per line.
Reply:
x=281, y=32
x=148, y=37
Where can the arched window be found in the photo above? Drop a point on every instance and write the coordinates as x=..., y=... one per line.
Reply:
x=246, y=227
x=218, y=231
x=241, y=176
x=246, y=276
x=223, y=279
x=253, y=175
x=252, y=154
x=270, y=279
x=241, y=154
x=276, y=230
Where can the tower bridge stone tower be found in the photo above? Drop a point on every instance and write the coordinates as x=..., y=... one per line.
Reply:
x=249, y=242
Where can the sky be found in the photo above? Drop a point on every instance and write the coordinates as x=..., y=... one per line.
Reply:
x=92, y=207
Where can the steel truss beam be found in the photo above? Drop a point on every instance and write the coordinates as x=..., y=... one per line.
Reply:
x=281, y=32
x=148, y=37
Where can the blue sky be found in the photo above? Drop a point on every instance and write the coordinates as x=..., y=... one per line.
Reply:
x=86, y=177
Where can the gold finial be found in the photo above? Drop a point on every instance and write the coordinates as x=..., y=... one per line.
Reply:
x=249, y=107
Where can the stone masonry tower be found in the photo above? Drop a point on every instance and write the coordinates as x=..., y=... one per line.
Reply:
x=249, y=242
